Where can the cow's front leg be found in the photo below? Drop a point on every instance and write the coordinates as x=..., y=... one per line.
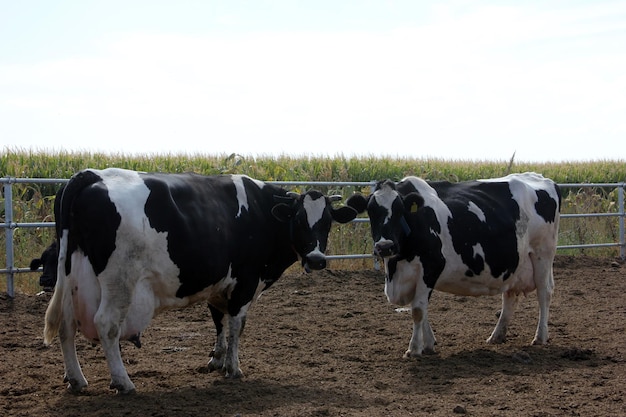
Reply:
x=509, y=303
x=219, y=351
x=73, y=374
x=420, y=322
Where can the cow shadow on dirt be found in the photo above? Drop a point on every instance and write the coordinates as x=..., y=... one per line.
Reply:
x=485, y=362
x=430, y=374
x=222, y=398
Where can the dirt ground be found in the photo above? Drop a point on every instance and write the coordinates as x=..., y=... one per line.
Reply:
x=329, y=344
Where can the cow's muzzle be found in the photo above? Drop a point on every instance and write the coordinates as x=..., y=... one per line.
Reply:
x=385, y=248
x=314, y=261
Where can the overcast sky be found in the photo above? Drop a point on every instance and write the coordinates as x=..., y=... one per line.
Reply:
x=475, y=80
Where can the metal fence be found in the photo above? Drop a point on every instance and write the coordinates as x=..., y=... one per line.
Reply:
x=10, y=224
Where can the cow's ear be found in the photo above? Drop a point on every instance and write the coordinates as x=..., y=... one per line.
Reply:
x=343, y=214
x=357, y=202
x=35, y=264
x=413, y=202
x=283, y=212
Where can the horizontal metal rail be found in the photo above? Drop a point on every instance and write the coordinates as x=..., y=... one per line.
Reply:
x=9, y=225
x=575, y=215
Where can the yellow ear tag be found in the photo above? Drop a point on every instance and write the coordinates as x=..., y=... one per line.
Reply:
x=414, y=208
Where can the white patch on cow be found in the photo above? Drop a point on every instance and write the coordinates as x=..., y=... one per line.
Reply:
x=473, y=208
x=314, y=209
x=242, y=197
x=141, y=251
x=431, y=199
x=385, y=198
x=128, y=192
x=85, y=291
x=382, y=241
x=426, y=191
x=316, y=252
x=478, y=251
x=258, y=183
x=400, y=290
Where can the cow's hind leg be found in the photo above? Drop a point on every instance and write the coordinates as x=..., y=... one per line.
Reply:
x=235, y=328
x=219, y=351
x=509, y=303
x=108, y=320
x=544, y=280
x=67, y=335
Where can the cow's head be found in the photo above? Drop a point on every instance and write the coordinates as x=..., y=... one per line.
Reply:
x=310, y=216
x=390, y=215
x=49, y=262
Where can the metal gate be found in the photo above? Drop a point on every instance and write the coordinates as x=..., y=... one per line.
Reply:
x=11, y=224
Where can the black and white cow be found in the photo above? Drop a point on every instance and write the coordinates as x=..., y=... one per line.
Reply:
x=48, y=260
x=474, y=238
x=133, y=244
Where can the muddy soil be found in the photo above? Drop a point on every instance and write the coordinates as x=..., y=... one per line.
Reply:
x=329, y=344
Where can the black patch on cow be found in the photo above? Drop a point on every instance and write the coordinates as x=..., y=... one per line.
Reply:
x=95, y=222
x=84, y=207
x=190, y=209
x=392, y=265
x=425, y=242
x=205, y=237
x=217, y=315
x=496, y=234
x=546, y=206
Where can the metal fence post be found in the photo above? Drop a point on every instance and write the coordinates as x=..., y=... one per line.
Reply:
x=8, y=215
x=622, y=240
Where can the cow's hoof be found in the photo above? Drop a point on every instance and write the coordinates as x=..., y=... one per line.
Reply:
x=74, y=386
x=215, y=365
x=493, y=340
x=75, y=389
x=122, y=389
x=537, y=341
x=125, y=392
x=234, y=374
x=411, y=354
x=429, y=351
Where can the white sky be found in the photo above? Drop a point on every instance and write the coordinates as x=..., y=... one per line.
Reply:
x=429, y=79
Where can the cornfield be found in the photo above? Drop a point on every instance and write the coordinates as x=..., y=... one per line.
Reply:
x=34, y=202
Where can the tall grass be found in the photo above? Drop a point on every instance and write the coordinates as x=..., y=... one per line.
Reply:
x=19, y=163
x=34, y=202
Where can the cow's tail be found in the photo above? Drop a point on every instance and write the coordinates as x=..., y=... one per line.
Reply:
x=54, y=313
x=60, y=298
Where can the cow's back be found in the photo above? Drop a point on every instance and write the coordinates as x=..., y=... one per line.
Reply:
x=486, y=230
x=189, y=231
x=215, y=226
